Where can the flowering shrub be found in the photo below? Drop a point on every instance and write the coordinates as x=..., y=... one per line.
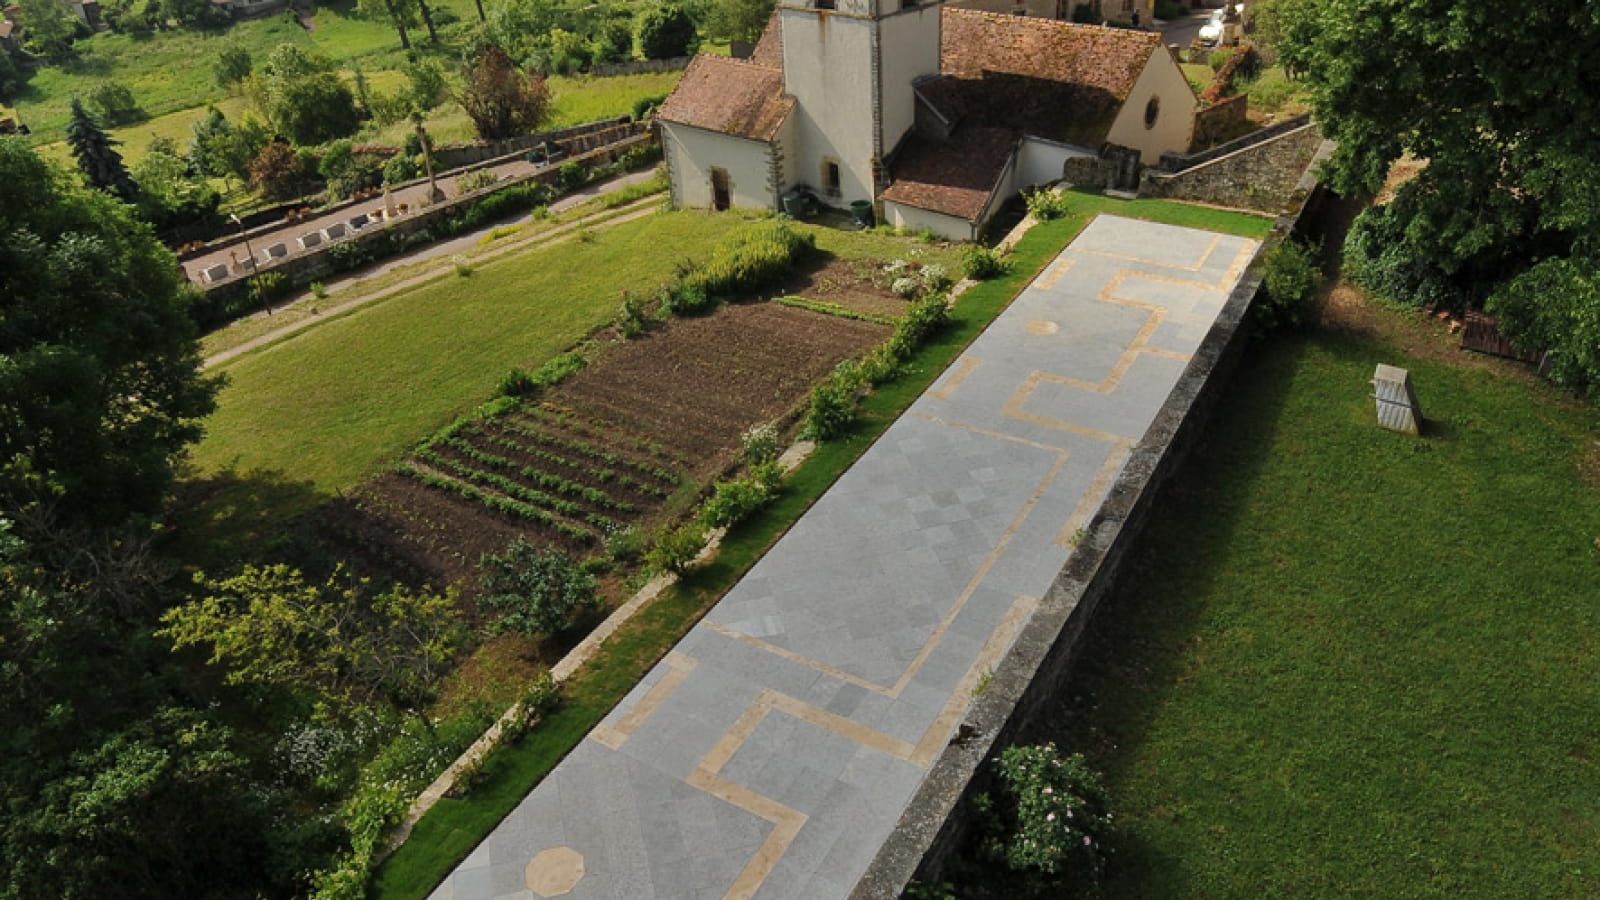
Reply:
x=1046, y=204
x=1051, y=819
x=760, y=443
x=981, y=263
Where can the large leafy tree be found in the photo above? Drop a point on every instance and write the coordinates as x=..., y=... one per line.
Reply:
x=100, y=383
x=502, y=100
x=97, y=156
x=1500, y=107
x=304, y=98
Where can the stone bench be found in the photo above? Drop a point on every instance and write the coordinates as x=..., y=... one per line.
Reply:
x=360, y=221
x=278, y=250
x=335, y=231
x=216, y=273
x=309, y=239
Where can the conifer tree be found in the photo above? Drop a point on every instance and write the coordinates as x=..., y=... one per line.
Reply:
x=97, y=156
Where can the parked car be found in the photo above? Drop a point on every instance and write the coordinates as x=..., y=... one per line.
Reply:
x=1211, y=31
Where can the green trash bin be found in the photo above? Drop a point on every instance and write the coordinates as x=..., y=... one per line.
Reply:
x=794, y=205
x=861, y=211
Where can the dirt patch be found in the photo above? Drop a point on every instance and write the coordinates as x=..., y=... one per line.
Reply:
x=694, y=386
x=858, y=285
x=1348, y=308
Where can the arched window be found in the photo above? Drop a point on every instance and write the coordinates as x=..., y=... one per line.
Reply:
x=1152, y=110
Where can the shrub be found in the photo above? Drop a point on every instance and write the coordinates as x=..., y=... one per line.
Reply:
x=906, y=286
x=980, y=263
x=683, y=299
x=533, y=590
x=754, y=255
x=474, y=180
x=833, y=402
x=463, y=266
x=400, y=168
x=625, y=545
x=1218, y=58
x=630, y=317
x=1288, y=287
x=1046, y=204
x=231, y=66
x=675, y=549
x=319, y=290
x=759, y=443
x=1169, y=10
x=267, y=287
x=665, y=31
x=114, y=102
x=1379, y=258
x=1084, y=14
x=1050, y=820
x=644, y=106
x=732, y=501
x=571, y=175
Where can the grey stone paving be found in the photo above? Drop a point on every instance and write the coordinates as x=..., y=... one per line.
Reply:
x=774, y=749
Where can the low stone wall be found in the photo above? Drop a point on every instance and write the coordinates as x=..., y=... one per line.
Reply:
x=1038, y=666
x=303, y=268
x=1220, y=119
x=1259, y=177
x=452, y=156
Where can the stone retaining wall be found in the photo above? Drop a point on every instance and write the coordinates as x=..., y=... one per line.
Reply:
x=1259, y=177
x=1039, y=664
x=1221, y=118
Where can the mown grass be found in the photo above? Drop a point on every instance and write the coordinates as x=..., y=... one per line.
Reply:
x=453, y=827
x=1352, y=663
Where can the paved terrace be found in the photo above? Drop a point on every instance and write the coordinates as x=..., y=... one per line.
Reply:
x=771, y=752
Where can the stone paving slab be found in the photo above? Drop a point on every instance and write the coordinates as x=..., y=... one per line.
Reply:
x=773, y=750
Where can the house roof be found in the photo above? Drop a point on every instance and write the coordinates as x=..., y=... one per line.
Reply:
x=731, y=96
x=769, y=49
x=1056, y=80
x=955, y=176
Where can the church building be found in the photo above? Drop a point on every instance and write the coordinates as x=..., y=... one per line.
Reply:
x=937, y=115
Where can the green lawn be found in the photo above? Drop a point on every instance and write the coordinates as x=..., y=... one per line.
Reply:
x=1352, y=663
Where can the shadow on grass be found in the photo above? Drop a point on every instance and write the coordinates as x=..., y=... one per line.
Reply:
x=228, y=517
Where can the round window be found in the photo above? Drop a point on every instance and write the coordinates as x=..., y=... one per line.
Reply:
x=1151, y=111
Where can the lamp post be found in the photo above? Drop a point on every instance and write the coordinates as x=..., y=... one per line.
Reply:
x=249, y=251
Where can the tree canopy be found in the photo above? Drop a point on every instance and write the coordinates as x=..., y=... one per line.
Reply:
x=100, y=384
x=501, y=100
x=97, y=156
x=1500, y=107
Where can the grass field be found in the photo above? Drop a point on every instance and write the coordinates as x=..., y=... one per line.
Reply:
x=1352, y=663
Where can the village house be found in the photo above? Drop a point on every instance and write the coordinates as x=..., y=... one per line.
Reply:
x=936, y=115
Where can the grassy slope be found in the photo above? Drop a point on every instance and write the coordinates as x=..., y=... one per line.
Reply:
x=1351, y=663
x=453, y=827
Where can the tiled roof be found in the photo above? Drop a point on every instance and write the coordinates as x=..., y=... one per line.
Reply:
x=731, y=96
x=769, y=50
x=954, y=176
x=1052, y=79
x=1107, y=59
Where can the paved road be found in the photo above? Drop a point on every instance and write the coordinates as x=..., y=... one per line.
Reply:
x=772, y=751
x=1182, y=31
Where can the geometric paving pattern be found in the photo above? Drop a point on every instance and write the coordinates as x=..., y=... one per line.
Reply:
x=772, y=751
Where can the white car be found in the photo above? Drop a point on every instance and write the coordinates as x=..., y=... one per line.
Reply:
x=1211, y=31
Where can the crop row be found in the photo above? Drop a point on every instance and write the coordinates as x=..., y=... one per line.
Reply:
x=540, y=477
x=532, y=431
x=586, y=427
x=601, y=475
x=517, y=490
x=496, y=502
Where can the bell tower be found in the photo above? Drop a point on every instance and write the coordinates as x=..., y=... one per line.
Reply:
x=850, y=65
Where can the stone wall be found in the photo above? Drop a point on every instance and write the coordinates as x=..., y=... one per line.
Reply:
x=643, y=66
x=1259, y=177
x=1038, y=666
x=452, y=156
x=1219, y=121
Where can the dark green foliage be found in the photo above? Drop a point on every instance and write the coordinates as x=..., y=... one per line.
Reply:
x=114, y=103
x=279, y=173
x=732, y=501
x=233, y=65
x=1287, y=288
x=1171, y=10
x=644, y=106
x=401, y=168
x=665, y=32
x=305, y=99
x=1048, y=822
x=534, y=591
x=12, y=77
x=1555, y=307
x=686, y=299
x=101, y=388
x=94, y=150
x=518, y=383
x=1379, y=258
x=1084, y=14
x=737, y=20
x=982, y=263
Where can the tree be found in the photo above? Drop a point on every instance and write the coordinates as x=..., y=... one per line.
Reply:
x=278, y=173
x=340, y=640
x=169, y=194
x=665, y=32
x=533, y=590
x=96, y=155
x=100, y=384
x=233, y=65
x=399, y=13
x=12, y=77
x=501, y=100
x=304, y=99
x=738, y=20
x=50, y=27
x=115, y=103
x=1500, y=109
